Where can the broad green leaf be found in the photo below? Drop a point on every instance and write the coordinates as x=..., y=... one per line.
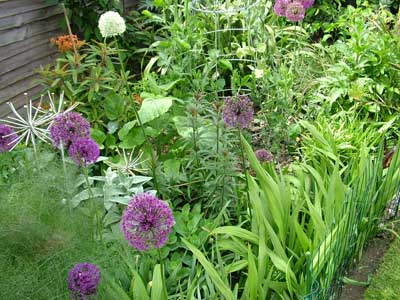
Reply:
x=113, y=106
x=153, y=108
x=157, y=290
x=138, y=289
x=124, y=131
x=135, y=137
x=182, y=126
x=98, y=136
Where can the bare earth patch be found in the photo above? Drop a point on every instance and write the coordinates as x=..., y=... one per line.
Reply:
x=370, y=261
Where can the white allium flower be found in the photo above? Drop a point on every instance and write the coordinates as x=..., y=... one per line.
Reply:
x=111, y=24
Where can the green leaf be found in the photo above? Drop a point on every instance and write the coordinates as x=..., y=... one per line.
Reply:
x=112, y=126
x=237, y=232
x=211, y=272
x=138, y=288
x=226, y=64
x=98, y=136
x=171, y=169
x=157, y=290
x=170, y=85
x=113, y=106
x=158, y=3
x=153, y=108
x=135, y=137
x=182, y=126
x=252, y=275
x=124, y=131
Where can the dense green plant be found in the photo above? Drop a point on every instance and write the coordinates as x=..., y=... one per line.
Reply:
x=364, y=77
x=293, y=213
x=84, y=15
x=39, y=234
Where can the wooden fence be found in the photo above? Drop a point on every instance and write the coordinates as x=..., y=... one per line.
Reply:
x=26, y=27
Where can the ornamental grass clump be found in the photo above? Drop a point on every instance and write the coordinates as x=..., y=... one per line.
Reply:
x=146, y=222
x=83, y=280
x=8, y=138
x=111, y=24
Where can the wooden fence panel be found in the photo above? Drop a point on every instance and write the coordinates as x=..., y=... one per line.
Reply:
x=26, y=27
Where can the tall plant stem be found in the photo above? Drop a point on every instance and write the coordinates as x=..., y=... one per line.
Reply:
x=162, y=274
x=76, y=55
x=62, y=149
x=92, y=204
x=244, y=169
x=128, y=88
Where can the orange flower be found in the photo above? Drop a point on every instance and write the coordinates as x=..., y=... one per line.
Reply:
x=65, y=43
x=138, y=99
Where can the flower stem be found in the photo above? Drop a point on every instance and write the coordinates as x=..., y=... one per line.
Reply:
x=244, y=170
x=93, y=208
x=153, y=159
x=162, y=274
x=65, y=174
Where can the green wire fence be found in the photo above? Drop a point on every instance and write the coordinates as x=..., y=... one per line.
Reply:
x=357, y=220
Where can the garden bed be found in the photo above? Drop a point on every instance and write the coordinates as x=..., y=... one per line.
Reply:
x=203, y=150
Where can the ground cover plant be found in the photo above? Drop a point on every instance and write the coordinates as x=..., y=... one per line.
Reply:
x=203, y=150
x=382, y=285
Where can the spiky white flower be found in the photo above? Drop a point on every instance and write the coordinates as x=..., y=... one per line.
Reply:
x=128, y=164
x=111, y=24
x=36, y=122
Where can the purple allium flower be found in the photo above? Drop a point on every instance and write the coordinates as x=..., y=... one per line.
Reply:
x=264, y=155
x=67, y=127
x=8, y=138
x=84, y=151
x=238, y=111
x=280, y=7
x=146, y=222
x=295, y=11
x=83, y=280
x=307, y=3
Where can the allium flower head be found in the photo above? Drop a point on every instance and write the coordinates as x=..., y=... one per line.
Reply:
x=67, y=127
x=238, y=111
x=280, y=7
x=111, y=24
x=8, y=138
x=264, y=155
x=295, y=11
x=146, y=222
x=84, y=151
x=307, y=3
x=83, y=280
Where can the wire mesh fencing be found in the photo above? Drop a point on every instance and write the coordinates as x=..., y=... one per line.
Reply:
x=363, y=209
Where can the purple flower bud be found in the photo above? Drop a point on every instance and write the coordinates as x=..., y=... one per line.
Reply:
x=238, y=111
x=295, y=11
x=8, y=138
x=67, y=127
x=146, y=222
x=83, y=280
x=307, y=3
x=84, y=151
x=264, y=155
x=280, y=7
